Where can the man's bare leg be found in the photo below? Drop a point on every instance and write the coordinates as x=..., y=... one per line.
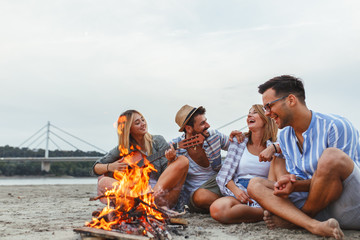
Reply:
x=169, y=185
x=262, y=191
x=334, y=166
x=203, y=198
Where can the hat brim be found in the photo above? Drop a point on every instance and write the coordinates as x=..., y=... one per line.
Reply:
x=187, y=119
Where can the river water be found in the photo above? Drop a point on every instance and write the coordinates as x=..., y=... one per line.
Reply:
x=46, y=180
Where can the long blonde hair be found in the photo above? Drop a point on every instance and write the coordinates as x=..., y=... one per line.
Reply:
x=271, y=129
x=125, y=121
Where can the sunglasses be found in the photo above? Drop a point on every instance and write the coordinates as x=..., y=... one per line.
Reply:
x=267, y=107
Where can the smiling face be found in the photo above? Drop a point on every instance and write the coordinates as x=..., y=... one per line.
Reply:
x=254, y=121
x=278, y=110
x=200, y=126
x=138, y=126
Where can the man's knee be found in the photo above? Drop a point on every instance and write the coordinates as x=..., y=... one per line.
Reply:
x=203, y=198
x=200, y=196
x=182, y=164
x=334, y=161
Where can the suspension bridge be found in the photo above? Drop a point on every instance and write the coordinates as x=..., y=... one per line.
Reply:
x=46, y=134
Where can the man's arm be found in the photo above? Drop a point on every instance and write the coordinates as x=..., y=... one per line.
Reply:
x=302, y=185
x=288, y=184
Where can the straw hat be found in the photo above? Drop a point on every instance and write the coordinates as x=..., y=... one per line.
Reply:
x=184, y=115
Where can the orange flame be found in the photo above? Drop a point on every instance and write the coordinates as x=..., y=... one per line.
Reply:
x=131, y=191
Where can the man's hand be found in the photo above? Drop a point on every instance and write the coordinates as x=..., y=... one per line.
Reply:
x=284, y=186
x=267, y=155
x=170, y=154
x=239, y=136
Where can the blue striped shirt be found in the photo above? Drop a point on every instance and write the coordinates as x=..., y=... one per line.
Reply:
x=324, y=131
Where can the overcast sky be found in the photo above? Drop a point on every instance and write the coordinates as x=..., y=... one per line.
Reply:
x=79, y=64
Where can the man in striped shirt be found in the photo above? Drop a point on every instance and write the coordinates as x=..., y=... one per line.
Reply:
x=200, y=188
x=321, y=192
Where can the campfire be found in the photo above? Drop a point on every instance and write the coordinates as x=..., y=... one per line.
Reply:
x=131, y=207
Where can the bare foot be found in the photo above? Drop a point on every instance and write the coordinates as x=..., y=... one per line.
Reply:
x=329, y=228
x=273, y=221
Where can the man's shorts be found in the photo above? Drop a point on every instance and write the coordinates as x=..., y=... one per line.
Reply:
x=346, y=210
x=210, y=185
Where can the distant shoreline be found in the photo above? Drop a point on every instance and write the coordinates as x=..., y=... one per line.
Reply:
x=46, y=180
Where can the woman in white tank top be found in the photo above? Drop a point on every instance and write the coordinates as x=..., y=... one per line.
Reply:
x=241, y=164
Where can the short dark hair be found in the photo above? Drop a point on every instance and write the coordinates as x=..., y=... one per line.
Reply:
x=200, y=111
x=285, y=85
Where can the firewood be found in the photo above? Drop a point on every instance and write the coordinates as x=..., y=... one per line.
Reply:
x=180, y=221
x=87, y=231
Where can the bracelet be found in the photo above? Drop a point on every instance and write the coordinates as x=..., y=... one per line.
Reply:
x=275, y=148
x=107, y=167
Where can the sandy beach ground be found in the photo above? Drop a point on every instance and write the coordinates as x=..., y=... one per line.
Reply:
x=54, y=211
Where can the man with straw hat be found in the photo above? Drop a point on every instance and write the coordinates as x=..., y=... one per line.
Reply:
x=200, y=188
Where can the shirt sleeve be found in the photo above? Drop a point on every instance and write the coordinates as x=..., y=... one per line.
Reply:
x=109, y=157
x=343, y=136
x=229, y=167
x=160, y=144
x=224, y=140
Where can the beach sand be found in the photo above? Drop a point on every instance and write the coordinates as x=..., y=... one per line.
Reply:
x=54, y=211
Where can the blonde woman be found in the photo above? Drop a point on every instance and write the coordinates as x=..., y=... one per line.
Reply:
x=133, y=134
x=243, y=163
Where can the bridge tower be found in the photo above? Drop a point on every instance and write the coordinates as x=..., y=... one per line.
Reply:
x=45, y=166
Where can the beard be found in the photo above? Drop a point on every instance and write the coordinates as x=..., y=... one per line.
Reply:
x=205, y=133
x=285, y=121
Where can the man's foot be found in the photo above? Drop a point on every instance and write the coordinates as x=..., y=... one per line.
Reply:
x=329, y=228
x=273, y=221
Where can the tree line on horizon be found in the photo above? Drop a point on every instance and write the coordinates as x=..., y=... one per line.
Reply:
x=76, y=169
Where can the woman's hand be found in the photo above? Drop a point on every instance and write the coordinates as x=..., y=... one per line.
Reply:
x=170, y=154
x=242, y=196
x=118, y=165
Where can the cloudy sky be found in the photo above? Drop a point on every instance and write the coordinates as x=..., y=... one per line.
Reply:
x=79, y=64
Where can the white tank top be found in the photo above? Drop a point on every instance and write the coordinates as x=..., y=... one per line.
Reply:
x=250, y=166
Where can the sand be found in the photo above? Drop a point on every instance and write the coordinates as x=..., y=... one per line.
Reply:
x=53, y=211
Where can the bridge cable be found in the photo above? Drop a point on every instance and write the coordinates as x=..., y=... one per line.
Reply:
x=79, y=139
x=233, y=122
x=65, y=140
x=33, y=135
x=55, y=144
x=39, y=143
x=36, y=139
